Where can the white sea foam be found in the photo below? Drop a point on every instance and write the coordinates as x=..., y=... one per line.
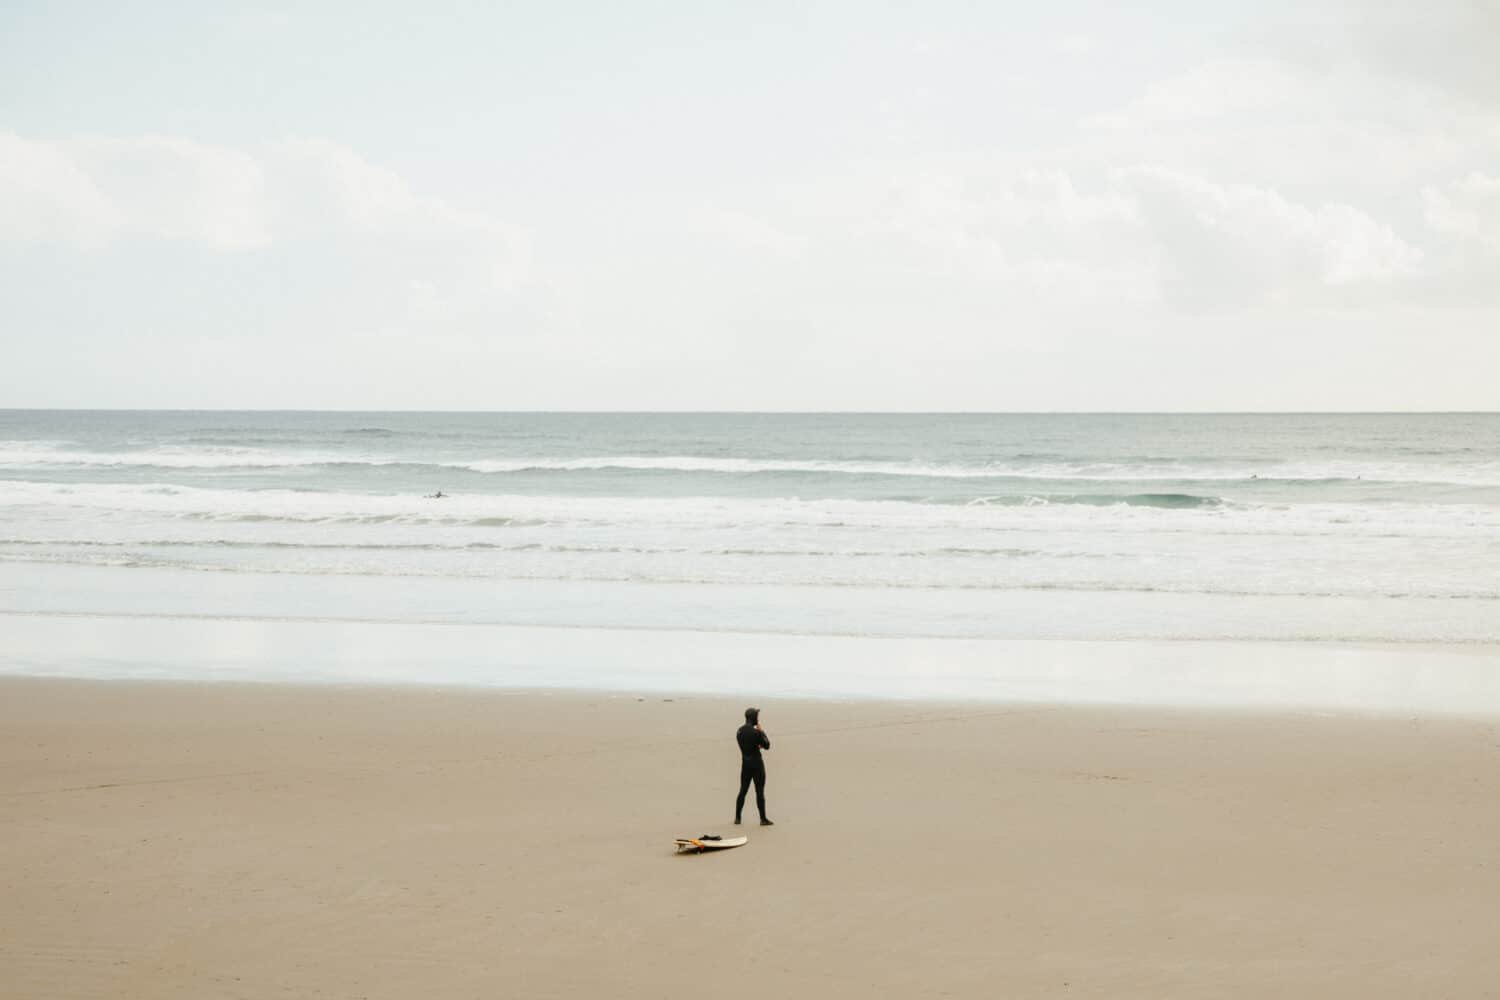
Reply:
x=22, y=455
x=1326, y=549
x=918, y=525
x=500, y=510
x=37, y=455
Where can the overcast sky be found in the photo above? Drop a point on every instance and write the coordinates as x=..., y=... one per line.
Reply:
x=953, y=206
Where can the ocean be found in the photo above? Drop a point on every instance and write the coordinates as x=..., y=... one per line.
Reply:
x=1322, y=528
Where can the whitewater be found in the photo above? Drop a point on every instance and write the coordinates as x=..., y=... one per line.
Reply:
x=1346, y=528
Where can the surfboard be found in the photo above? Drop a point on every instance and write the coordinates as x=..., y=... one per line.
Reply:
x=697, y=845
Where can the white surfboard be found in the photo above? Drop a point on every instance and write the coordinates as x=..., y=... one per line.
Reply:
x=697, y=845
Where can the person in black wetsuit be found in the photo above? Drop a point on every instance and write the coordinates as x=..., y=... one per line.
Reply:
x=752, y=740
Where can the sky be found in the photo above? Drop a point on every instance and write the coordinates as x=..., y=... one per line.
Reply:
x=1207, y=205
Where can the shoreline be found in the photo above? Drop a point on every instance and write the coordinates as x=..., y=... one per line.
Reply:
x=232, y=840
x=1482, y=645
x=751, y=609
x=1396, y=679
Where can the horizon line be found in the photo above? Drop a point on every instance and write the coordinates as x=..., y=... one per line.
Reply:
x=771, y=412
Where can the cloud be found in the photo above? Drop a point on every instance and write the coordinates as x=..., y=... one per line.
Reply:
x=91, y=193
x=173, y=189
x=1076, y=45
x=1468, y=209
x=46, y=197
x=743, y=230
x=1210, y=91
x=1463, y=219
x=1030, y=229
x=1324, y=128
x=1441, y=44
x=289, y=242
x=1311, y=170
x=1145, y=234
x=1224, y=244
x=315, y=185
x=1335, y=166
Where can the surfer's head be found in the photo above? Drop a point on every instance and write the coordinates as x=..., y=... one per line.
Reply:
x=752, y=715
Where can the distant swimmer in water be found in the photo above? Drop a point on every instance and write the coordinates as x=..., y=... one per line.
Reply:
x=439, y=495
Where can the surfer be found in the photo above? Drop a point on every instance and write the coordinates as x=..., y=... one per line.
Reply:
x=439, y=495
x=752, y=740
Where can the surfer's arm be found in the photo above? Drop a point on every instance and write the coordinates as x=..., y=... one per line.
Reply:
x=765, y=742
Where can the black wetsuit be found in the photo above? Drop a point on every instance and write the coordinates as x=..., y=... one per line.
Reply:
x=752, y=768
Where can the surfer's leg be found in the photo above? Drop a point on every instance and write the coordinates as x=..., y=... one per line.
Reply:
x=739, y=803
x=760, y=789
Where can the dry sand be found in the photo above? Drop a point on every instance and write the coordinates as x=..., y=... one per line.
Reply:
x=228, y=840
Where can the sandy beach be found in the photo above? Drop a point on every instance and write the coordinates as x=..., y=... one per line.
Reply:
x=228, y=840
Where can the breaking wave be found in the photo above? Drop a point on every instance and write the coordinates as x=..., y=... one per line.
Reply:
x=23, y=455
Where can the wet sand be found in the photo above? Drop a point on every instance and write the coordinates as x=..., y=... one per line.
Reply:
x=229, y=840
